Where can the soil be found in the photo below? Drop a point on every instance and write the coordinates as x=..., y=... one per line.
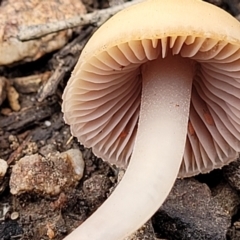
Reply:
x=35, y=125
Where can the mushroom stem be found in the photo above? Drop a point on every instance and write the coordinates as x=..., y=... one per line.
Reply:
x=152, y=170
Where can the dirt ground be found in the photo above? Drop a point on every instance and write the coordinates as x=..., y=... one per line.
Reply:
x=38, y=128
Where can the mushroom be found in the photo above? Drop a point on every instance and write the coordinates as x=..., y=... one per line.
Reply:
x=156, y=90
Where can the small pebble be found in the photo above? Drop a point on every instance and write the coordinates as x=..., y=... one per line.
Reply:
x=14, y=143
x=13, y=96
x=50, y=231
x=14, y=215
x=3, y=168
x=75, y=156
x=47, y=123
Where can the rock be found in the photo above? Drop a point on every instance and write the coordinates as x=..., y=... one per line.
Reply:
x=15, y=14
x=227, y=199
x=192, y=212
x=226, y=196
x=47, y=175
x=231, y=173
x=96, y=189
x=3, y=169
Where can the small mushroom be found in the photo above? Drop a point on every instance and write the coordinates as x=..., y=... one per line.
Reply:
x=156, y=90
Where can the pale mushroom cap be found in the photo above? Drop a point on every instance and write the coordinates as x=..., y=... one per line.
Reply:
x=102, y=98
x=163, y=18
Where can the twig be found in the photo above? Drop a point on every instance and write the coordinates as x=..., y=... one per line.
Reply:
x=98, y=17
x=69, y=140
x=26, y=117
x=63, y=62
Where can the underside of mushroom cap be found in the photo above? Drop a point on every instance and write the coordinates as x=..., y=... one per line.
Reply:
x=102, y=99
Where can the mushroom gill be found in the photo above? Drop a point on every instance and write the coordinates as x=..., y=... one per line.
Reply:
x=115, y=80
x=162, y=103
